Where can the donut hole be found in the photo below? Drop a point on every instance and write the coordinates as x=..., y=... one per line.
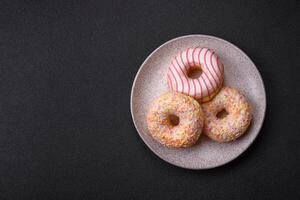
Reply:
x=194, y=72
x=173, y=119
x=222, y=114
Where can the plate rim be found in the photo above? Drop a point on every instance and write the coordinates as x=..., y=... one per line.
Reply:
x=179, y=38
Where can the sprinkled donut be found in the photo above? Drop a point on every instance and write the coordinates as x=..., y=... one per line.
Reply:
x=207, y=84
x=234, y=124
x=175, y=120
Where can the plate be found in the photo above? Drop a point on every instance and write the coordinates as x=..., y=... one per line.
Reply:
x=240, y=72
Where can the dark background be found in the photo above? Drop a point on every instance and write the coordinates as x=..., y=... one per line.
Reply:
x=66, y=70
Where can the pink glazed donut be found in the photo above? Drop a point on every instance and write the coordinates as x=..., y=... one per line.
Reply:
x=204, y=87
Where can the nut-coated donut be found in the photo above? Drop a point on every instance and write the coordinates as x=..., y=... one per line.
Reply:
x=235, y=123
x=183, y=133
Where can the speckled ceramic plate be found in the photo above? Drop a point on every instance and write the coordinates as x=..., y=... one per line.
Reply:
x=240, y=72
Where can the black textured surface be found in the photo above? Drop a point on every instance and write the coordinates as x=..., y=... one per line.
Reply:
x=66, y=71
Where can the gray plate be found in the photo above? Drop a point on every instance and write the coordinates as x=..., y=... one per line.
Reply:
x=240, y=72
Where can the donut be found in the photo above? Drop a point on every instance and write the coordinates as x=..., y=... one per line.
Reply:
x=175, y=120
x=234, y=124
x=207, y=84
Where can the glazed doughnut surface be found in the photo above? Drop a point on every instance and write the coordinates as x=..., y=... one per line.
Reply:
x=162, y=129
x=235, y=123
x=204, y=87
